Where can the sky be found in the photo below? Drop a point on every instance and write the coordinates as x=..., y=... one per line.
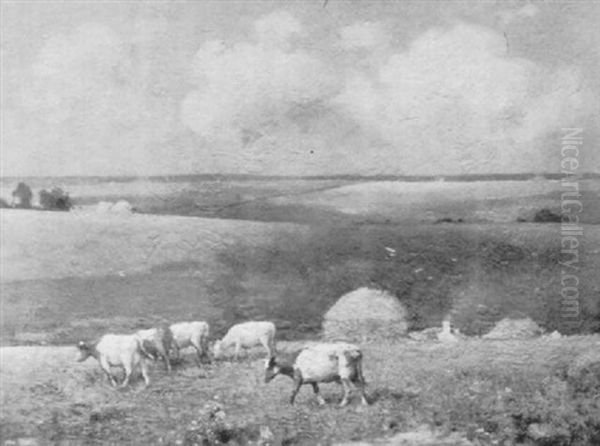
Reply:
x=297, y=87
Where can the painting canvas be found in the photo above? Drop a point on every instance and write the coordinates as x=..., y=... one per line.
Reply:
x=396, y=204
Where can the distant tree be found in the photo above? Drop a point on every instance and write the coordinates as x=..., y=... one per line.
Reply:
x=22, y=196
x=4, y=204
x=55, y=200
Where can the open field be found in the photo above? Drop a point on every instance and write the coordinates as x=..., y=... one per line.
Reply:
x=485, y=390
x=68, y=275
x=72, y=276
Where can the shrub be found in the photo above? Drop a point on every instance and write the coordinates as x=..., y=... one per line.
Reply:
x=546, y=216
x=4, y=204
x=55, y=200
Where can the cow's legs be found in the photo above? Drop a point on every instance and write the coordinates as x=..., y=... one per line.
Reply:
x=268, y=347
x=360, y=380
x=175, y=348
x=205, y=350
x=198, y=357
x=144, y=367
x=128, y=371
x=346, y=386
x=106, y=369
x=320, y=399
x=297, y=384
x=163, y=350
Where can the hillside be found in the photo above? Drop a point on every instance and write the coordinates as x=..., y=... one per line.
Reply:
x=71, y=275
x=53, y=245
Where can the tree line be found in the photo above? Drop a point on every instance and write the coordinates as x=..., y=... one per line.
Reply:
x=54, y=199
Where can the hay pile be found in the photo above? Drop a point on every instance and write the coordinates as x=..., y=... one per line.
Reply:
x=121, y=207
x=365, y=315
x=514, y=329
x=429, y=334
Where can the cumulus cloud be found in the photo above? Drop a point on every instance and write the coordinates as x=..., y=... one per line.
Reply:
x=88, y=106
x=71, y=68
x=510, y=16
x=245, y=89
x=277, y=27
x=455, y=101
x=363, y=35
x=284, y=96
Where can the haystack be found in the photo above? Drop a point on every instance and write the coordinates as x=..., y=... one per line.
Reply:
x=428, y=334
x=364, y=315
x=103, y=207
x=121, y=207
x=514, y=329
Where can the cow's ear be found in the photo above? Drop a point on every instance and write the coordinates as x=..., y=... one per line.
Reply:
x=81, y=345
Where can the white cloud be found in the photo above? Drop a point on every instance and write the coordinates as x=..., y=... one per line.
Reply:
x=363, y=35
x=246, y=87
x=277, y=28
x=74, y=68
x=455, y=102
x=508, y=17
x=86, y=108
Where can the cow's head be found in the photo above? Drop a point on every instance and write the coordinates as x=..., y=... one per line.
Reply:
x=272, y=369
x=85, y=351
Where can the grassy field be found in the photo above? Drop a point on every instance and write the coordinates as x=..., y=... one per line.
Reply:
x=487, y=391
x=72, y=276
x=67, y=276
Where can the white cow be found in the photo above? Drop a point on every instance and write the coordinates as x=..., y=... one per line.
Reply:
x=117, y=350
x=191, y=334
x=248, y=334
x=322, y=363
x=156, y=342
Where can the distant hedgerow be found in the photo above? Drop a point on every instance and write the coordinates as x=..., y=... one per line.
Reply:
x=55, y=200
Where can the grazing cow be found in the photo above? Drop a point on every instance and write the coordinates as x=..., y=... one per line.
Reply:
x=322, y=363
x=247, y=334
x=157, y=342
x=117, y=350
x=191, y=334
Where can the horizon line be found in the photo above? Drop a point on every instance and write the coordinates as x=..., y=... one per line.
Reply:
x=380, y=177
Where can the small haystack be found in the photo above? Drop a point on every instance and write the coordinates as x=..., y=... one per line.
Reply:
x=514, y=329
x=365, y=314
x=428, y=334
x=121, y=207
x=103, y=207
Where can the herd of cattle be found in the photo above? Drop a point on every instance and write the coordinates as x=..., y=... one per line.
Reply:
x=316, y=363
